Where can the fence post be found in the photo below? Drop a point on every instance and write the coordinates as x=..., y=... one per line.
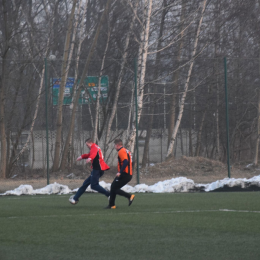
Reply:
x=46, y=111
x=136, y=124
x=227, y=115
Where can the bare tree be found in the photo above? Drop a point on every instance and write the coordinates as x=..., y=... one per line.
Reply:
x=119, y=81
x=41, y=75
x=186, y=83
x=81, y=83
x=258, y=131
x=154, y=88
x=97, y=107
x=4, y=50
x=142, y=68
x=64, y=73
x=175, y=76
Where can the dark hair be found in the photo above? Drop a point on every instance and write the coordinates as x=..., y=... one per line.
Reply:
x=118, y=141
x=89, y=140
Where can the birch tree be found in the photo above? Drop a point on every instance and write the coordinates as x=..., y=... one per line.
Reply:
x=97, y=107
x=41, y=75
x=81, y=38
x=64, y=70
x=142, y=65
x=258, y=131
x=175, y=76
x=154, y=88
x=9, y=31
x=68, y=145
x=182, y=101
x=4, y=50
x=84, y=73
x=119, y=81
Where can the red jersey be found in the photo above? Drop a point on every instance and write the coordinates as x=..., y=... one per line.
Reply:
x=97, y=159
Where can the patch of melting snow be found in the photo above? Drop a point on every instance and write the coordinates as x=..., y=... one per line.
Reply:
x=180, y=184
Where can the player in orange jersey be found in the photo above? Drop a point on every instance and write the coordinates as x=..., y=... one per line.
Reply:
x=123, y=176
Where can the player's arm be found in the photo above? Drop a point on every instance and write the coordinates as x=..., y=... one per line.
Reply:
x=125, y=163
x=92, y=154
x=83, y=156
x=123, y=158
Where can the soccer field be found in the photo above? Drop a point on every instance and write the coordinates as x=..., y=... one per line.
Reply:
x=156, y=226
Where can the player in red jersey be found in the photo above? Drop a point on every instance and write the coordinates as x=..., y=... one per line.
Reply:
x=98, y=166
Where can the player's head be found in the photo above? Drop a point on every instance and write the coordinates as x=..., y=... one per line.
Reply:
x=118, y=144
x=89, y=142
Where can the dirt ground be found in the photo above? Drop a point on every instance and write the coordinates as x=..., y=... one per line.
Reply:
x=199, y=169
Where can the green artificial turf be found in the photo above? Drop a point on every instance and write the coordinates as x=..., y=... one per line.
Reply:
x=156, y=226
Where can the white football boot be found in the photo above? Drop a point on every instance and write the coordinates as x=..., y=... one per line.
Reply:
x=72, y=201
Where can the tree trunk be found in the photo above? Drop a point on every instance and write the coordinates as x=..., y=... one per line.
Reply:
x=258, y=131
x=175, y=130
x=130, y=114
x=10, y=155
x=140, y=86
x=35, y=112
x=197, y=153
x=77, y=14
x=2, y=122
x=99, y=89
x=118, y=86
x=81, y=38
x=216, y=49
x=181, y=140
x=81, y=83
x=154, y=88
x=190, y=143
x=198, y=147
x=64, y=70
x=176, y=78
x=68, y=148
x=217, y=119
x=29, y=24
x=2, y=95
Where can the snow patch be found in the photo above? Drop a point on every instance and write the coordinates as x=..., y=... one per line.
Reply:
x=54, y=188
x=21, y=190
x=232, y=182
x=180, y=184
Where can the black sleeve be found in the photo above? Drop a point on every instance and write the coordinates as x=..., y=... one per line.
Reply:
x=125, y=163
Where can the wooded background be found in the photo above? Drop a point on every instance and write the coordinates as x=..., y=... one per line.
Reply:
x=178, y=46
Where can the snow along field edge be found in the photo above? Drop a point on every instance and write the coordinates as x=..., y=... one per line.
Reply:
x=180, y=184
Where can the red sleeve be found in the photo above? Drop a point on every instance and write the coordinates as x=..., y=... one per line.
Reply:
x=85, y=156
x=93, y=153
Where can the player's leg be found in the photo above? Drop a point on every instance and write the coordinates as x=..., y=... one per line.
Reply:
x=116, y=186
x=95, y=175
x=82, y=189
x=122, y=181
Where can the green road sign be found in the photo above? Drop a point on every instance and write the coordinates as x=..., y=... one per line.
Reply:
x=88, y=93
x=91, y=85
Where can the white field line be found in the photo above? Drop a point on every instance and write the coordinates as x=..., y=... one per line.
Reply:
x=133, y=213
x=239, y=211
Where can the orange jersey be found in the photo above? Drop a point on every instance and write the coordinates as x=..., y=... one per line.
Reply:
x=124, y=154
